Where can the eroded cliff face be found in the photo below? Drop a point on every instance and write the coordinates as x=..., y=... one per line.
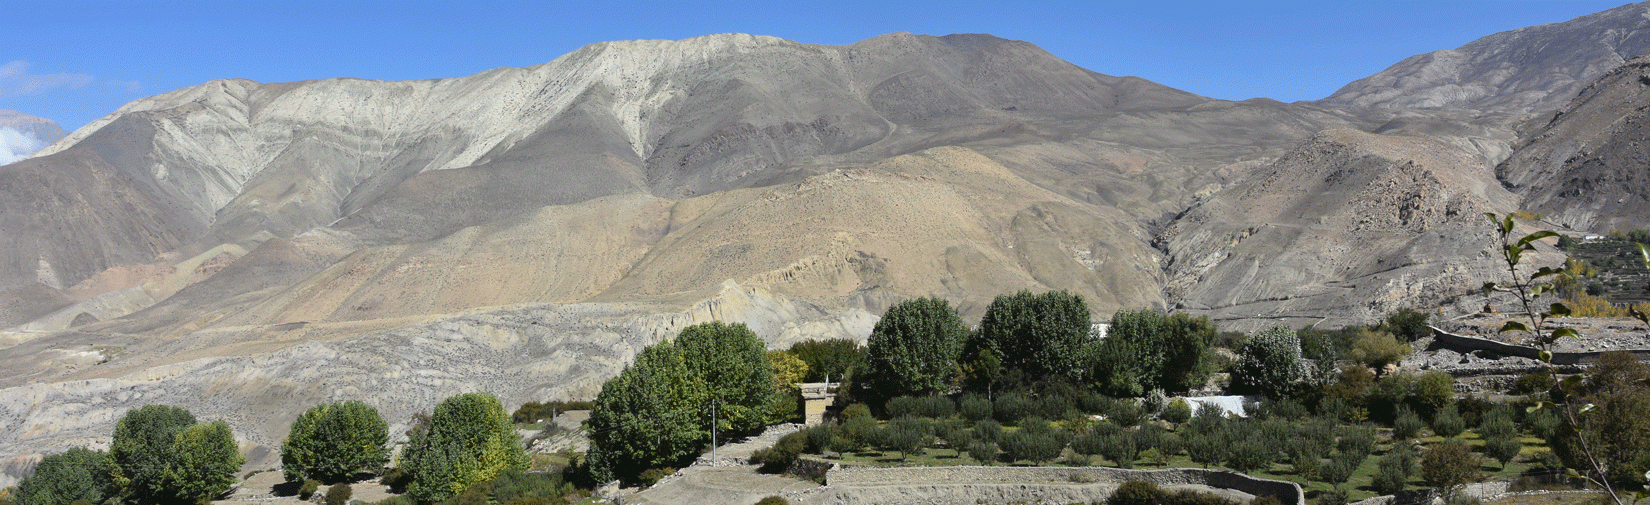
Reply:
x=1345, y=228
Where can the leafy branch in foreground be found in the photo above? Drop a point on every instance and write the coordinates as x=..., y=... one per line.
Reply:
x=1528, y=289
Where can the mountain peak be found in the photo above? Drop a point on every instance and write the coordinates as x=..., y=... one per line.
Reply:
x=1531, y=69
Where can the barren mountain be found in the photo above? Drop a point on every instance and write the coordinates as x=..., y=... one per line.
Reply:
x=244, y=249
x=1533, y=69
x=1585, y=165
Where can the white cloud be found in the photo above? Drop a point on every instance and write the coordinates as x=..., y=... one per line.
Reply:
x=15, y=145
x=15, y=80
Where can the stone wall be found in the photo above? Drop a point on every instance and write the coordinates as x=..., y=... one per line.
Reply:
x=1029, y=478
x=1468, y=344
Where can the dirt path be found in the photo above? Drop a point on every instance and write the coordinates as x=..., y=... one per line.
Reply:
x=731, y=480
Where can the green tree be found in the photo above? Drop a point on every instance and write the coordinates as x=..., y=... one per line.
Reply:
x=732, y=364
x=333, y=442
x=647, y=417
x=1042, y=335
x=469, y=440
x=205, y=459
x=1448, y=423
x=1270, y=363
x=1189, y=352
x=142, y=448
x=914, y=347
x=1377, y=349
x=1408, y=324
x=78, y=474
x=830, y=359
x=1450, y=465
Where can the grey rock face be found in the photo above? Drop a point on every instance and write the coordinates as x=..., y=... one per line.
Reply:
x=1531, y=69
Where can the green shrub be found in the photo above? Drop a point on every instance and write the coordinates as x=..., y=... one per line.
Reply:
x=1408, y=424
x=1409, y=324
x=983, y=452
x=773, y=500
x=530, y=488
x=1358, y=440
x=819, y=438
x=1011, y=407
x=974, y=407
x=1034, y=447
x=651, y=476
x=1448, y=424
x=1449, y=465
x=1126, y=413
x=1208, y=448
x=338, y=494
x=1249, y=454
x=1177, y=411
x=988, y=430
x=308, y=489
x=1539, y=381
x=1542, y=422
x=782, y=454
x=856, y=410
x=1136, y=492
x=1120, y=448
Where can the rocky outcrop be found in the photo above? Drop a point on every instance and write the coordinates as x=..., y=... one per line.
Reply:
x=1533, y=69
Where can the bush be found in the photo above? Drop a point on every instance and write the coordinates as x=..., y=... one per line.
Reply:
x=856, y=410
x=1435, y=389
x=1542, y=422
x=1034, y=447
x=782, y=454
x=1177, y=411
x=1011, y=407
x=335, y=441
x=1356, y=440
x=1503, y=449
x=974, y=407
x=1539, y=381
x=1388, y=480
x=521, y=488
x=308, y=489
x=1449, y=465
x=1136, y=492
x=651, y=476
x=1408, y=424
x=859, y=430
x=819, y=439
x=1120, y=448
x=988, y=430
x=1207, y=448
x=773, y=500
x=1249, y=454
x=1126, y=413
x=1448, y=424
x=1408, y=324
x=338, y=494
x=983, y=452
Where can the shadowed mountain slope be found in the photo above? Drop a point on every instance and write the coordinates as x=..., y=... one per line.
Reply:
x=1533, y=69
x=1586, y=166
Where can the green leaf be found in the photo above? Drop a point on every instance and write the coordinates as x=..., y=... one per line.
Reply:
x=1645, y=252
x=1559, y=309
x=1539, y=405
x=1546, y=271
x=1546, y=356
x=1564, y=333
x=1505, y=227
x=1528, y=241
x=1514, y=326
x=1587, y=408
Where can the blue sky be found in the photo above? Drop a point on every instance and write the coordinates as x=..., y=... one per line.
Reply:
x=74, y=61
